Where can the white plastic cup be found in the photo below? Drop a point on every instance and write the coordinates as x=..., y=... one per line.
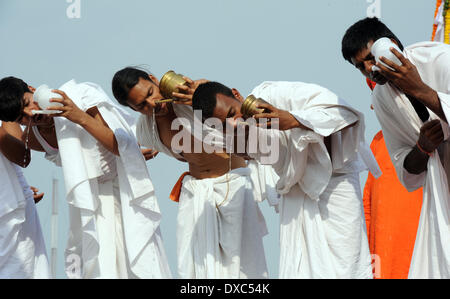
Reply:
x=42, y=96
x=382, y=47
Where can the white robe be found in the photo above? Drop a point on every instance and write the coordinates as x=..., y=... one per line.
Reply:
x=401, y=127
x=115, y=217
x=323, y=231
x=22, y=246
x=216, y=243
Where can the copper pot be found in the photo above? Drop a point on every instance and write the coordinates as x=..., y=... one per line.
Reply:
x=169, y=84
x=249, y=107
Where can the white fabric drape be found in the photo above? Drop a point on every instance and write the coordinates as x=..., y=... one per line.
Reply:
x=217, y=241
x=22, y=247
x=401, y=126
x=322, y=224
x=140, y=212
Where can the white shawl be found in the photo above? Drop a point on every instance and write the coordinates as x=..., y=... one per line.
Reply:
x=327, y=115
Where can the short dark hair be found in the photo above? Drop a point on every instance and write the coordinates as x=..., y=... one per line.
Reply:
x=361, y=33
x=12, y=91
x=204, y=98
x=124, y=80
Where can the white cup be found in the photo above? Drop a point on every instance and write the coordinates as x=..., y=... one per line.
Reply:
x=382, y=47
x=42, y=96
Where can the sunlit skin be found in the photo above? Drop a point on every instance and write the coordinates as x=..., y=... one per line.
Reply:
x=142, y=98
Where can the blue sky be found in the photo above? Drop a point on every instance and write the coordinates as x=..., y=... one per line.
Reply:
x=238, y=42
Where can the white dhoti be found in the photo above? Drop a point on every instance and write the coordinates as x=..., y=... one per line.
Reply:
x=325, y=239
x=22, y=247
x=220, y=229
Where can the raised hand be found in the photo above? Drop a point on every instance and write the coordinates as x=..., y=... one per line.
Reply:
x=187, y=91
x=69, y=110
x=284, y=119
x=405, y=77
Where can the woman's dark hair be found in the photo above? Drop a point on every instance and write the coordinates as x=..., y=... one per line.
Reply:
x=12, y=91
x=124, y=80
x=361, y=33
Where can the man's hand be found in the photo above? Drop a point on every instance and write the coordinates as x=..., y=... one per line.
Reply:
x=69, y=110
x=187, y=91
x=431, y=136
x=37, y=197
x=407, y=79
x=285, y=120
x=149, y=154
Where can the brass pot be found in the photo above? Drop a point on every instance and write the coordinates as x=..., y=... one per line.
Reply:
x=169, y=84
x=249, y=107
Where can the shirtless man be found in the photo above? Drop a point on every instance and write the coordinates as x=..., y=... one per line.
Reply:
x=217, y=192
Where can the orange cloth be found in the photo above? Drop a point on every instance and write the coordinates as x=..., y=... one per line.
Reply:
x=392, y=216
x=371, y=83
x=176, y=190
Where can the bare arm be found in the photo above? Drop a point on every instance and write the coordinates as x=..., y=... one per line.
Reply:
x=98, y=128
x=91, y=121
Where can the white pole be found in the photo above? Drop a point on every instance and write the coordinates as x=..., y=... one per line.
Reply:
x=54, y=228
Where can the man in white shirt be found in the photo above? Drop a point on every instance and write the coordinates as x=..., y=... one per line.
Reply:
x=220, y=227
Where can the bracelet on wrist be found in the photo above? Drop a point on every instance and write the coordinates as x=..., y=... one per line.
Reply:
x=422, y=150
